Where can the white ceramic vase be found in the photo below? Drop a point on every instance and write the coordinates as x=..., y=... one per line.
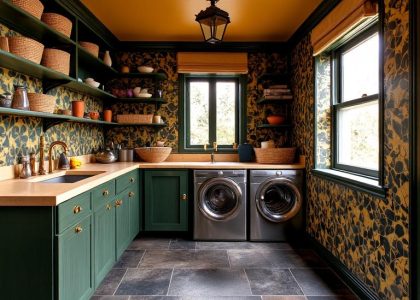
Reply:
x=107, y=59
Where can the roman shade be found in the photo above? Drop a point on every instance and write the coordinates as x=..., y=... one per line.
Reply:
x=212, y=62
x=347, y=15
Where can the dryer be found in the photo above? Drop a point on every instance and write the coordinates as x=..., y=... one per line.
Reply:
x=276, y=205
x=220, y=205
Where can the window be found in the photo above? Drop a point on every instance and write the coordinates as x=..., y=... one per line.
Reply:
x=356, y=105
x=212, y=112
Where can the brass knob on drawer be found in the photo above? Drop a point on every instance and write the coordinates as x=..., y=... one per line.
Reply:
x=118, y=203
x=131, y=179
x=105, y=193
x=77, y=209
x=184, y=197
x=131, y=194
x=78, y=229
x=108, y=207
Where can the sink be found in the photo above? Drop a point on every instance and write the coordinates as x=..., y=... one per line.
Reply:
x=66, y=179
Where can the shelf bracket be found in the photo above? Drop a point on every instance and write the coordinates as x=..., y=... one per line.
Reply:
x=48, y=123
x=48, y=85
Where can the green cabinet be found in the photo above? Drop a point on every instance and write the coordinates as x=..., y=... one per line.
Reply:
x=104, y=240
x=122, y=223
x=135, y=211
x=75, y=276
x=166, y=200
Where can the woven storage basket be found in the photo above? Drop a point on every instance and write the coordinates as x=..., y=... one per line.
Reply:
x=41, y=102
x=34, y=7
x=57, y=60
x=58, y=22
x=275, y=155
x=144, y=119
x=153, y=154
x=91, y=48
x=26, y=48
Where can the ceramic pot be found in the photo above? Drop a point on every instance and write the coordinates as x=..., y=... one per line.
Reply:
x=6, y=100
x=78, y=108
x=156, y=119
x=125, y=69
x=107, y=59
x=107, y=115
x=94, y=115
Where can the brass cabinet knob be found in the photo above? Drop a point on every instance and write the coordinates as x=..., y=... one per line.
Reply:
x=131, y=179
x=108, y=207
x=78, y=229
x=77, y=209
x=105, y=193
x=118, y=203
x=131, y=194
x=184, y=197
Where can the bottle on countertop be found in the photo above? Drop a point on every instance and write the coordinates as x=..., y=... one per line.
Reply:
x=25, y=172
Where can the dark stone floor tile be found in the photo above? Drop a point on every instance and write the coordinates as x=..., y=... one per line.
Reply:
x=149, y=243
x=155, y=298
x=194, y=259
x=145, y=282
x=272, y=282
x=240, y=245
x=221, y=298
x=129, y=259
x=209, y=282
x=320, y=282
x=284, y=298
x=344, y=297
x=110, y=282
x=182, y=244
x=282, y=259
x=110, y=298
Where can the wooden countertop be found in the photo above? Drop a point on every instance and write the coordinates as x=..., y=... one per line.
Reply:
x=32, y=192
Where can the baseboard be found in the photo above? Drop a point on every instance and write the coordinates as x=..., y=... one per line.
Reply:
x=358, y=286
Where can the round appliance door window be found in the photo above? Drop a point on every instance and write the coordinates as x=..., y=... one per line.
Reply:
x=278, y=199
x=219, y=198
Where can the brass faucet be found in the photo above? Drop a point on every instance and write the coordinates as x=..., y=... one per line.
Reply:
x=41, y=156
x=50, y=167
x=213, y=152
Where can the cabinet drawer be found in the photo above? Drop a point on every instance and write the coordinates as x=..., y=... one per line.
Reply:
x=73, y=210
x=127, y=180
x=103, y=193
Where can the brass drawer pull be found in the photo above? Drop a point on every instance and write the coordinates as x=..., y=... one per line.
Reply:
x=78, y=229
x=77, y=209
x=131, y=179
x=108, y=207
x=184, y=197
x=105, y=193
x=118, y=203
x=131, y=194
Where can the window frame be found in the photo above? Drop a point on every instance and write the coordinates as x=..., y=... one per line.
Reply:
x=184, y=111
x=337, y=103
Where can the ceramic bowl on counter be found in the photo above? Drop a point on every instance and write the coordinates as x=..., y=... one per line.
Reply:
x=105, y=157
x=145, y=69
x=153, y=154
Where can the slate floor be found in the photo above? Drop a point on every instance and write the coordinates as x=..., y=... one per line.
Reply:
x=174, y=269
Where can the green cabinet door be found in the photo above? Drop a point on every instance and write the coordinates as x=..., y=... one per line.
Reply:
x=166, y=195
x=104, y=240
x=122, y=224
x=75, y=275
x=135, y=211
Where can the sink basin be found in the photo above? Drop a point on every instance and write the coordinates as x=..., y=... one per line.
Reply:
x=67, y=178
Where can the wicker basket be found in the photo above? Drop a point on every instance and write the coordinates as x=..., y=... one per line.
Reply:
x=41, y=102
x=57, y=60
x=153, y=154
x=34, y=7
x=26, y=48
x=132, y=119
x=91, y=48
x=58, y=22
x=275, y=155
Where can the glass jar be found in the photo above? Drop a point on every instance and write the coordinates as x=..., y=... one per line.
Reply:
x=20, y=98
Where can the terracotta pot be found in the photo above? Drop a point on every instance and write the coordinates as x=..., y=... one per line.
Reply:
x=276, y=119
x=94, y=115
x=107, y=115
x=78, y=108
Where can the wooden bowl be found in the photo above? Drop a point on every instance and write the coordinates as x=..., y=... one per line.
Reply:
x=276, y=120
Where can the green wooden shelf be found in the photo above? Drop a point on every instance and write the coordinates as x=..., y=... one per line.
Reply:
x=142, y=100
x=284, y=126
x=90, y=62
x=273, y=101
x=141, y=124
x=82, y=87
x=153, y=75
x=26, y=24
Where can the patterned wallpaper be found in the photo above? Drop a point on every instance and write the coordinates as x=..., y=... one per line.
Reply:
x=20, y=135
x=165, y=62
x=367, y=234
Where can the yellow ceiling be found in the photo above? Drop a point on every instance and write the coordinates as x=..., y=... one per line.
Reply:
x=174, y=20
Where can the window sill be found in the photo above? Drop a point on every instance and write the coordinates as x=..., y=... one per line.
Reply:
x=358, y=183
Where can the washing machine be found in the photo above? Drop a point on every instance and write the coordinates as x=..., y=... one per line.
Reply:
x=276, y=205
x=220, y=206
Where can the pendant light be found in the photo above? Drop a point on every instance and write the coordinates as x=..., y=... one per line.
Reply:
x=213, y=22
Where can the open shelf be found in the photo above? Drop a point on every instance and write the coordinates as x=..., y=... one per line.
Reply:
x=88, y=61
x=273, y=101
x=87, y=89
x=277, y=76
x=142, y=100
x=153, y=75
x=24, y=23
x=285, y=126
x=141, y=124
